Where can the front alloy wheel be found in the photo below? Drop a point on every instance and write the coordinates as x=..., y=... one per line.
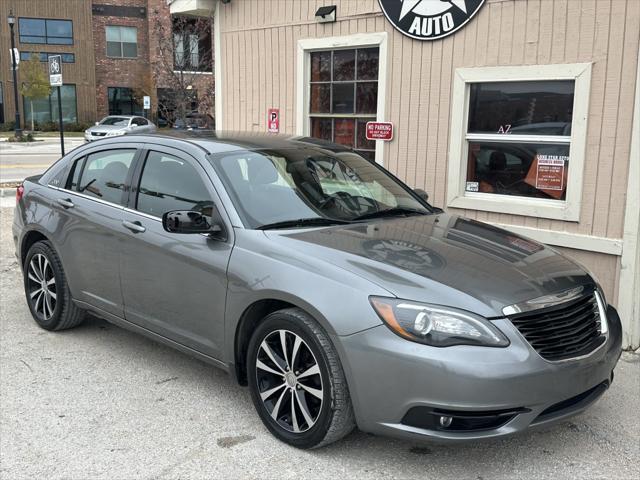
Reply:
x=289, y=381
x=296, y=380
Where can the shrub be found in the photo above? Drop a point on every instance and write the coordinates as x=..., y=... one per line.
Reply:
x=24, y=138
x=7, y=126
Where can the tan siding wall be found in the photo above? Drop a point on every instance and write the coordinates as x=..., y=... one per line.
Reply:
x=259, y=44
x=81, y=73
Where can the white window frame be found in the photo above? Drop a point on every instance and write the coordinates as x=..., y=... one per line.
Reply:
x=457, y=197
x=303, y=70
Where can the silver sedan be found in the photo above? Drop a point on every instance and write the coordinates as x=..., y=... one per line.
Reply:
x=116, y=125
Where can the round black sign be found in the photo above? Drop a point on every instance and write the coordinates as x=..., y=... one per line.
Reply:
x=429, y=19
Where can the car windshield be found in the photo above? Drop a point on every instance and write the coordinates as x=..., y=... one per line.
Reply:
x=117, y=121
x=296, y=187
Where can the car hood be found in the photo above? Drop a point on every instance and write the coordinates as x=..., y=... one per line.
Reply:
x=106, y=128
x=443, y=259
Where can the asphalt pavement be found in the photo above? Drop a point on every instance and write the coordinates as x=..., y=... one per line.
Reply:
x=101, y=402
x=21, y=160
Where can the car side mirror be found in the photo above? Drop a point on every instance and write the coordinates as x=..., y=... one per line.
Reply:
x=422, y=194
x=97, y=123
x=189, y=221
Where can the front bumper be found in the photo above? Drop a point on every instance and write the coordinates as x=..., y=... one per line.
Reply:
x=389, y=376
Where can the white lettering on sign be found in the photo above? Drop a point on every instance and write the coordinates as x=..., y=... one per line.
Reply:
x=550, y=172
x=379, y=131
x=428, y=26
x=504, y=129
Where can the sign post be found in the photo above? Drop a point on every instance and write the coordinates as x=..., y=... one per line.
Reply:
x=55, y=80
x=146, y=105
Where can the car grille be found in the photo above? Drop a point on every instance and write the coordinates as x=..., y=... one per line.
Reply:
x=567, y=330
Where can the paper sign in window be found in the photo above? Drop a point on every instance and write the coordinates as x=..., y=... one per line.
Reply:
x=548, y=174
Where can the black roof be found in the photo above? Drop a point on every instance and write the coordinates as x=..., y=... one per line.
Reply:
x=218, y=142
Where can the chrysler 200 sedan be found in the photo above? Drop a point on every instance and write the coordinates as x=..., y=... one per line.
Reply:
x=340, y=296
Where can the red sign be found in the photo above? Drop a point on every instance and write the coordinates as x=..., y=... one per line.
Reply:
x=380, y=131
x=273, y=120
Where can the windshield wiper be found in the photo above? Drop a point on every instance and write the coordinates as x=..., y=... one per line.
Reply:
x=302, y=222
x=391, y=212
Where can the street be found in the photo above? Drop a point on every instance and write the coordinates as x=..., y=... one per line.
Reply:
x=101, y=402
x=20, y=160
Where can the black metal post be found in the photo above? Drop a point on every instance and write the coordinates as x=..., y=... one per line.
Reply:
x=60, y=120
x=15, y=82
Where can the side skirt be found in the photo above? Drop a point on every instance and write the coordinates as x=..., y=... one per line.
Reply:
x=120, y=322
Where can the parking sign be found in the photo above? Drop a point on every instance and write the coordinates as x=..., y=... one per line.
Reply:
x=273, y=120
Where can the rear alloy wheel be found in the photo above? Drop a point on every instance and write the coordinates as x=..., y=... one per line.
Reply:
x=297, y=383
x=41, y=286
x=46, y=289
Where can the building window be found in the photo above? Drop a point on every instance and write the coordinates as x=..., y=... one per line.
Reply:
x=192, y=45
x=44, y=56
x=343, y=96
x=122, y=101
x=341, y=87
x=122, y=42
x=518, y=138
x=46, y=109
x=46, y=31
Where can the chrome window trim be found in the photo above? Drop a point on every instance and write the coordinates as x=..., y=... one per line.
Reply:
x=544, y=301
x=82, y=195
x=142, y=214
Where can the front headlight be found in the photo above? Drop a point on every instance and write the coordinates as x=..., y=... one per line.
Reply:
x=435, y=325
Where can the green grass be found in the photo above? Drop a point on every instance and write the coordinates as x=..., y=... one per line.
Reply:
x=45, y=134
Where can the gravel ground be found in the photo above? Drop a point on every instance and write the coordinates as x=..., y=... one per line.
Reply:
x=101, y=402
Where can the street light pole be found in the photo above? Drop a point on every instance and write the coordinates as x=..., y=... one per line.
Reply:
x=12, y=20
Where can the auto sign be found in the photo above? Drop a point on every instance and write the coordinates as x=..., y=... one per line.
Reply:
x=429, y=19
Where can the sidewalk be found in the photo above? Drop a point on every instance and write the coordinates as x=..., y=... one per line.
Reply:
x=48, y=146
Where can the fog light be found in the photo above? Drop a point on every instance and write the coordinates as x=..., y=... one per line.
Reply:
x=445, y=421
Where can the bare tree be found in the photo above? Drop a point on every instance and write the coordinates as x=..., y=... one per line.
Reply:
x=184, y=51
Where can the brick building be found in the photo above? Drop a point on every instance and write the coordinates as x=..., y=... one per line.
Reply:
x=121, y=49
x=111, y=57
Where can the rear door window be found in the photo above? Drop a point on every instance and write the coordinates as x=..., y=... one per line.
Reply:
x=170, y=183
x=103, y=174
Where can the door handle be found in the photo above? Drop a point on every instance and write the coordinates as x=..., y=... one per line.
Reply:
x=66, y=203
x=135, y=227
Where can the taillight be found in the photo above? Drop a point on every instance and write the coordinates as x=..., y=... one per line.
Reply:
x=19, y=193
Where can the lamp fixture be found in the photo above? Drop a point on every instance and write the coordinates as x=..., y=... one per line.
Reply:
x=326, y=14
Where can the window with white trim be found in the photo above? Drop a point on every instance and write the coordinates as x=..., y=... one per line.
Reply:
x=341, y=85
x=344, y=96
x=518, y=137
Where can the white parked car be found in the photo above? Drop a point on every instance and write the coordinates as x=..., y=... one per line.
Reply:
x=116, y=125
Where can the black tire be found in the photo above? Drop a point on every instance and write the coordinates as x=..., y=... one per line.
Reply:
x=334, y=416
x=61, y=313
